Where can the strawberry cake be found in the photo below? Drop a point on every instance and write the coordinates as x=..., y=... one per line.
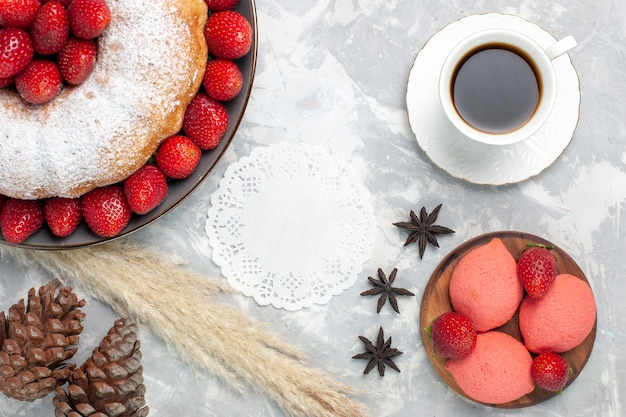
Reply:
x=151, y=61
x=561, y=319
x=498, y=369
x=484, y=286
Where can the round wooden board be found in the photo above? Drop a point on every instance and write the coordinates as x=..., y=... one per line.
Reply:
x=436, y=300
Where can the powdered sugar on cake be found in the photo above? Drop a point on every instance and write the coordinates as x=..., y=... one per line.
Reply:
x=150, y=64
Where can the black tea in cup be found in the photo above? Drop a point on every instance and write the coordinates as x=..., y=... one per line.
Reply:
x=495, y=88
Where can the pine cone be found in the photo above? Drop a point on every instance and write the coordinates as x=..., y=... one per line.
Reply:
x=36, y=341
x=110, y=382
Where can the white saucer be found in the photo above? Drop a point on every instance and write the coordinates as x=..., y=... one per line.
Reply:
x=475, y=162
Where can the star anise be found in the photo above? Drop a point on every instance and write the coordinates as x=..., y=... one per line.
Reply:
x=423, y=230
x=379, y=355
x=383, y=286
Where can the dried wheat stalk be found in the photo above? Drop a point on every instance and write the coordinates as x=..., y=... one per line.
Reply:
x=189, y=313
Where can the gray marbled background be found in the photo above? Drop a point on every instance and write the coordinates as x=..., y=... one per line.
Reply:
x=333, y=73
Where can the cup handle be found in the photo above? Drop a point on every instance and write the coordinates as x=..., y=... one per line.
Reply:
x=561, y=47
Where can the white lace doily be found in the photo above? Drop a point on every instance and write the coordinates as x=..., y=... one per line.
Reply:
x=290, y=225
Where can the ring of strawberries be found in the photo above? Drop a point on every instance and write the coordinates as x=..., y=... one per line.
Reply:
x=47, y=44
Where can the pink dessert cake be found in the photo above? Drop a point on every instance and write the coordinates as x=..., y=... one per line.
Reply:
x=484, y=286
x=496, y=371
x=562, y=319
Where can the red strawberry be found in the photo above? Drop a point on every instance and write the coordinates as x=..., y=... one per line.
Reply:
x=178, y=156
x=62, y=215
x=537, y=269
x=6, y=82
x=16, y=51
x=219, y=5
x=205, y=121
x=145, y=189
x=18, y=13
x=228, y=34
x=20, y=218
x=40, y=82
x=50, y=28
x=106, y=210
x=222, y=79
x=550, y=371
x=453, y=335
x=64, y=3
x=88, y=18
x=77, y=59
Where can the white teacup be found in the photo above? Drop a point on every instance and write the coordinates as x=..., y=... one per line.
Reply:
x=498, y=86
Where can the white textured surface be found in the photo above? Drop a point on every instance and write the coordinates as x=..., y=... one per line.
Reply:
x=333, y=73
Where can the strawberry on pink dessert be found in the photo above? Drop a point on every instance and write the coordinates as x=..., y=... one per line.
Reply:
x=562, y=319
x=498, y=369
